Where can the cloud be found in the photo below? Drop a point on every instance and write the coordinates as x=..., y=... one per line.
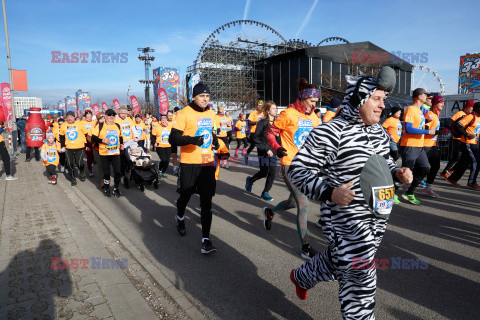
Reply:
x=307, y=18
x=162, y=48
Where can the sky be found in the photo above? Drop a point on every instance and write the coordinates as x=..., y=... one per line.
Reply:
x=177, y=29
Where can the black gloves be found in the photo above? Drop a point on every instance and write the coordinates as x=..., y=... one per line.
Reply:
x=198, y=141
x=281, y=152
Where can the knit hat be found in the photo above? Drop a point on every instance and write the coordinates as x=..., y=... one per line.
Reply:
x=199, y=89
x=469, y=104
x=49, y=134
x=437, y=100
x=335, y=103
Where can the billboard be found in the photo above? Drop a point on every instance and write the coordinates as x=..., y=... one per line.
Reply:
x=61, y=105
x=83, y=101
x=469, y=74
x=71, y=104
x=169, y=80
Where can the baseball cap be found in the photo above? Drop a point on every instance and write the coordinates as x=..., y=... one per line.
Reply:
x=418, y=92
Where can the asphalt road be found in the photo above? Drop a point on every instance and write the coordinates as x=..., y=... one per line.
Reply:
x=248, y=277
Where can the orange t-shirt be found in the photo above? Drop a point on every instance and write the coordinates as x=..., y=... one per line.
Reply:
x=328, y=116
x=139, y=131
x=51, y=153
x=88, y=124
x=126, y=125
x=394, y=128
x=431, y=140
x=194, y=123
x=221, y=121
x=255, y=116
x=414, y=116
x=74, y=134
x=162, y=134
x=474, y=128
x=111, y=131
x=241, y=127
x=295, y=128
x=457, y=115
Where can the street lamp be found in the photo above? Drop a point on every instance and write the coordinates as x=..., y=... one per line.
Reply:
x=129, y=88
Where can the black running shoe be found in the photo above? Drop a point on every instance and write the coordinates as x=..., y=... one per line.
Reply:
x=267, y=218
x=82, y=176
x=106, y=191
x=181, y=227
x=116, y=193
x=207, y=247
x=308, y=252
x=73, y=182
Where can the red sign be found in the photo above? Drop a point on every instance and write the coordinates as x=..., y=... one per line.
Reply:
x=116, y=104
x=95, y=108
x=135, y=104
x=105, y=107
x=162, y=101
x=6, y=102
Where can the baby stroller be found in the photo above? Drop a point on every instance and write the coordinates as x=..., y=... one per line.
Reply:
x=140, y=167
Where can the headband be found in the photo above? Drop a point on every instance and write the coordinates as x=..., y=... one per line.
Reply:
x=309, y=93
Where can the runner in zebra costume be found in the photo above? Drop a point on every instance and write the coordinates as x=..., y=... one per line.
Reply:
x=346, y=165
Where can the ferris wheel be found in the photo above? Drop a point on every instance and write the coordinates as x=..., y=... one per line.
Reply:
x=243, y=34
x=427, y=78
x=332, y=40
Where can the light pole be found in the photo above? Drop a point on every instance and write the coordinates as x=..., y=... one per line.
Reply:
x=129, y=88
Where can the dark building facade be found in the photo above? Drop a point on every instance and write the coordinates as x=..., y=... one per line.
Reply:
x=326, y=67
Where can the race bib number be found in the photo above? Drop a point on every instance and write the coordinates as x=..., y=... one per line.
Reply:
x=383, y=199
x=223, y=124
x=72, y=133
x=165, y=136
x=304, y=128
x=126, y=131
x=139, y=132
x=399, y=129
x=205, y=130
x=243, y=128
x=112, y=146
x=51, y=155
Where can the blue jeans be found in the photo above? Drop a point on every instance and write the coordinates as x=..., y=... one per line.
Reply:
x=23, y=142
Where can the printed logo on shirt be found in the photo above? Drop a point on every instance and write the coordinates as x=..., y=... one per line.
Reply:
x=422, y=122
x=165, y=135
x=139, y=131
x=126, y=129
x=72, y=133
x=112, y=147
x=88, y=126
x=304, y=128
x=205, y=130
x=399, y=129
x=51, y=155
x=223, y=124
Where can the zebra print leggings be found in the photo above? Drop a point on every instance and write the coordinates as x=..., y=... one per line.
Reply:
x=296, y=200
x=346, y=246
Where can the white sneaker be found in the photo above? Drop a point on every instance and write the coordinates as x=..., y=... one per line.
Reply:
x=10, y=178
x=62, y=169
x=429, y=192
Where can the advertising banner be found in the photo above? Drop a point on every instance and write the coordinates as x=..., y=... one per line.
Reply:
x=6, y=102
x=135, y=105
x=469, y=74
x=71, y=104
x=61, y=105
x=96, y=109
x=104, y=106
x=169, y=80
x=162, y=101
x=117, y=105
x=83, y=101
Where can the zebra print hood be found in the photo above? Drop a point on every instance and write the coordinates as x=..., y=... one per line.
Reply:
x=359, y=90
x=353, y=100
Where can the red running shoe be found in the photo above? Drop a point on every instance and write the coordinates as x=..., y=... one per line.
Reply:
x=454, y=183
x=473, y=186
x=301, y=293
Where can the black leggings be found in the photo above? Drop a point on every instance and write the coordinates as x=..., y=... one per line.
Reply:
x=252, y=142
x=434, y=159
x=37, y=153
x=239, y=142
x=268, y=166
x=455, y=154
x=74, y=157
x=61, y=156
x=115, y=162
x=5, y=158
x=205, y=210
x=51, y=170
x=164, y=155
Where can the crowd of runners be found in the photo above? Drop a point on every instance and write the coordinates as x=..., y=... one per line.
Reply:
x=344, y=159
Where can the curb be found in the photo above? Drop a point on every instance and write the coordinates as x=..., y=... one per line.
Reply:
x=155, y=271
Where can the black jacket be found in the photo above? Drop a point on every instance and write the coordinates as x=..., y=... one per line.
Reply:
x=260, y=137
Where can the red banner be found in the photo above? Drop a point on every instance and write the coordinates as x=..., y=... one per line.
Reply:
x=162, y=101
x=135, y=105
x=116, y=104
x=95, y=108
x=6, y=102
x=105, y=107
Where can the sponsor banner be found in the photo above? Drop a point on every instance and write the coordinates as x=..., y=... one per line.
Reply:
x=162, y=101
x=71, y=104
x=104, y=106
x=61, y=105
x=6, y=102
x=169, y=80
x=117, y=105
x=83, y=101
x=135, y=105
x=96, y=109
x=469, y=74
